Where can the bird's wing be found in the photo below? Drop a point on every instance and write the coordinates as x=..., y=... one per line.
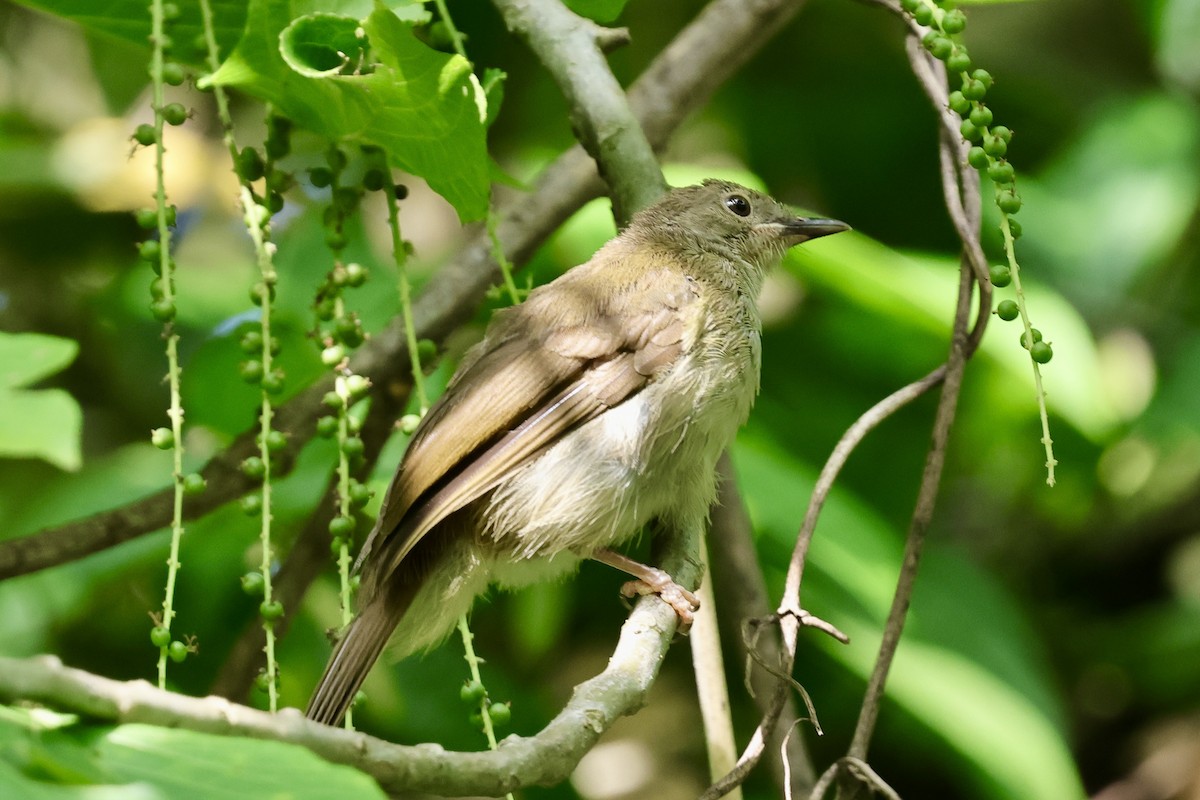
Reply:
x=544, y=368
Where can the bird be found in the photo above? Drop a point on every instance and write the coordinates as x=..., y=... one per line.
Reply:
x=595, y=407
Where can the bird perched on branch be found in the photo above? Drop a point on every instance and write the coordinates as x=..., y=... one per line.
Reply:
x=596, y=406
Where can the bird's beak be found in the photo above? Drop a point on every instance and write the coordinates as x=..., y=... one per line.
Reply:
x=802, y=229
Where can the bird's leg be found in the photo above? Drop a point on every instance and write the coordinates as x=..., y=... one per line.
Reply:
x=651, y=580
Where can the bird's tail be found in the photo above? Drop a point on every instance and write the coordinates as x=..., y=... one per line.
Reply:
x=355, y=654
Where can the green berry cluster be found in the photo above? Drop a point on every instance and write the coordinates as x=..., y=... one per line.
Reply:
x=177, y=650
x=474, y=694
x=989, y=143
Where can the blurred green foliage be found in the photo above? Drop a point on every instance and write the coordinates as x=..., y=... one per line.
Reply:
x=1053, y=638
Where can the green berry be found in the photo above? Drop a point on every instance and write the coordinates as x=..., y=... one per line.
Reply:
x=401, y=191
x=272, y=382
x=160, y=636
x=335, y=158
x=332, y=400
x=327, y=426
x=1041, y=352
x=958, y=61
x=163, y=310
x=349, y=331
x=973, y=89
x=162, y=438
x=271, y=611
x=172, y=73
x=995, y=147
x=409, y=423
x=976, y=157
x=1024, y=339
x=472, y=693
x=981, y=115
x=941, y=48
x=332, y=356
x=325, y=309
x=150, y=250
x=353, y=447
x=984, y=77
x=910, y=5
x=360, y=494
x=178, y=651
x=356, y=275
x=251, y=505
x=476, y=719
x=1009, y=201
x=500, y=713
x=170, y=12
x=360, y=697
x=249, y=165
x=355, y=582
x=320, y=177
x=1001, y=172
x=251, y=342
x=260, y=291
x=251, y=370
x=1014, y=227
x=923, y=14
x=1003, y=132
x=147, y=218
x=954, y=21
x=254, y=468
x=194, y=484
x=262, y=681
x=276, y=441
x=1001, y=275
x=145, y=134
x=156, y=288
x=373, y=180
x=174, y=113
x=335, y=546
x=1007, y=310
x=253, y=583
x=958, y=104
x=357, y=385
x=969, y=131
x=342, y=526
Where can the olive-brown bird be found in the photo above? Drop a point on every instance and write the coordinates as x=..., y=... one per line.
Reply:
x=599, y=404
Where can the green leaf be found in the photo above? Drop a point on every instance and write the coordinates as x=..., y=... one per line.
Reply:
x=135, y=761
x=130, y=20
x=425, y=108
x=43, y=424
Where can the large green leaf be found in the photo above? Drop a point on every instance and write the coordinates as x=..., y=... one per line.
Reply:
x=71, y=759
x=425, y=108
x=43, y=424
x=966, y=668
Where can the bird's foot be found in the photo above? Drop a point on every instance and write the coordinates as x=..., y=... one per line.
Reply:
x=655, y=581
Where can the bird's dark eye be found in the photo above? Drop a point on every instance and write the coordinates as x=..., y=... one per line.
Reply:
x=738, y=205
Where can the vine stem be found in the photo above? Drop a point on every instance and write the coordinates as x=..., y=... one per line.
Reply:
x=343, y=493
x=256, y=218
x=1015, y=271
x=472, y=660
x=175, y=412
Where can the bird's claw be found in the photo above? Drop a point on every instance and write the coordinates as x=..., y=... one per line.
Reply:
x=685, y=603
